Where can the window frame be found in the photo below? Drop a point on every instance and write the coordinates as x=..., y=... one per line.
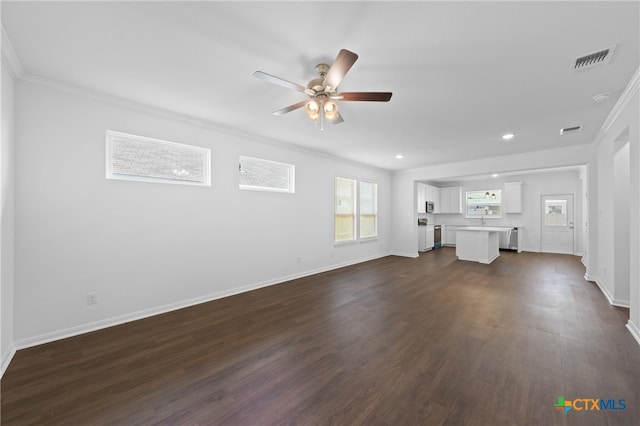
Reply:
x=357, y=203
x=375, y=209
x=354, y=211
x=499, y=202
x=291, y=176
x=111, y=136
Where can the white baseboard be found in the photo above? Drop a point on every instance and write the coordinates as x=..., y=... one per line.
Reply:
x=621, y=303
x=584, y=262
x=604, y=290
x=612, y=300
x=634, y=330
x=401, y=254
x=146, y=313
x=531, y=249
x=6, y=360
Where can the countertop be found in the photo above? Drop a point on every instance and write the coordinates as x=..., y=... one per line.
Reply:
x=485, y=228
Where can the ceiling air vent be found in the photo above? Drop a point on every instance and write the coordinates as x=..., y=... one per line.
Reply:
x=570, y=130
x=601, y=57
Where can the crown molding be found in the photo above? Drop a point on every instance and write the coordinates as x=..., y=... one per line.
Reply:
x=150, y=109
x=632, y=88
x=9, y=57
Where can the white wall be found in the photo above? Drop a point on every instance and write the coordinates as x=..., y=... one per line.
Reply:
x=584, y=196
x=403, y=210
x=6, y=219
x=534, y=186
x=622, y=125
x=148, y=247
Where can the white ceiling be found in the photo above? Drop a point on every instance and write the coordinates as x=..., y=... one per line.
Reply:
x=461, y=73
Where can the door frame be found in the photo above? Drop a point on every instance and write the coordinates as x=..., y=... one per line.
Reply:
x=571, y=220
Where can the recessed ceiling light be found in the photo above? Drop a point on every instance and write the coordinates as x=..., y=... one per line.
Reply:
x=494, y=175
x=399, y=156
x=508, y=136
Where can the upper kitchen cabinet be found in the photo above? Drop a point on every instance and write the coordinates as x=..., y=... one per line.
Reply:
x=426, y=193
x=435, y=197
x=513, y=197
x=450, y=200
x=421, y=195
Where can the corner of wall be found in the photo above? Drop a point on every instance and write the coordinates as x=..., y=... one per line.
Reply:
x=634, y=330
x=6, y=359
x=11, y=70
x=9, y=57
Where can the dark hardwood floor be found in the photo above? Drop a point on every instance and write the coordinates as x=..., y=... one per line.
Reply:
x=396, y=341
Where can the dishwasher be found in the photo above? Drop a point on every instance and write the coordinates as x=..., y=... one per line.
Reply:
x=509, y=240
x=513, y=239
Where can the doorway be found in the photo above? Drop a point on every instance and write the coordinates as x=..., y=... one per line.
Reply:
x=557, y=224
x=621, y=221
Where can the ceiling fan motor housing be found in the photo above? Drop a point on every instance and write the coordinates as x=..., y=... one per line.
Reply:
x=316, y=83
x=322, y=69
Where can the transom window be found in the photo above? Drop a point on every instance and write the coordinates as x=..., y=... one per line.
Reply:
x=266, y=175
x=131, y=157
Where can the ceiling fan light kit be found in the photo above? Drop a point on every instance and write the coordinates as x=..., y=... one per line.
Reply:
x=323, y=90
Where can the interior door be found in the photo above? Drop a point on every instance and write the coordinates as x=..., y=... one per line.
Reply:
x=557, y=224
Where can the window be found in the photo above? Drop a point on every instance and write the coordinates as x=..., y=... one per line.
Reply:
x=486, y=203
x=368, y=209
x=356, y=211
x=139, y=158
x=555, y=212
x=345, y=213
x=265, y=175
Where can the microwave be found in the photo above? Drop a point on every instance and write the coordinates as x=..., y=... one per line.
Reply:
x=430, y=206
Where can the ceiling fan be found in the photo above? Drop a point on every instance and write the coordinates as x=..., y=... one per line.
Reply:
x=323, y=90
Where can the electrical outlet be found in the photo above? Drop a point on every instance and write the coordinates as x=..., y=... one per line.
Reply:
x=92, y=298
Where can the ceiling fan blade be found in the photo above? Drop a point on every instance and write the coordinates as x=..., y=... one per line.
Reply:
x=279, y=81
x=343, y=63
x=338, y=119
x=290, y=108
x=364, y=96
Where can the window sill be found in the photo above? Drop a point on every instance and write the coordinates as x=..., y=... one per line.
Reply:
x=354, y=242
x=368, y=240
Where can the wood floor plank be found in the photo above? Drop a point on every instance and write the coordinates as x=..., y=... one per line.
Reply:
x=397, y=341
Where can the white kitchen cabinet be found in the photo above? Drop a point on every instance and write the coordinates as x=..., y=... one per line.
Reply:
x=436, y=199
x=430, y=237
x=513, y=197
x=478, y=243
x=425, y=238
x=433, y=194
x=421, y=190
x=427, y=193
x=444, y=200
x=455, y=200
x=450, y=200
x=449, y=235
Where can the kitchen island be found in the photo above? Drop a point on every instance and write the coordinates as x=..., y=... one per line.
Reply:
x=478, y=243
